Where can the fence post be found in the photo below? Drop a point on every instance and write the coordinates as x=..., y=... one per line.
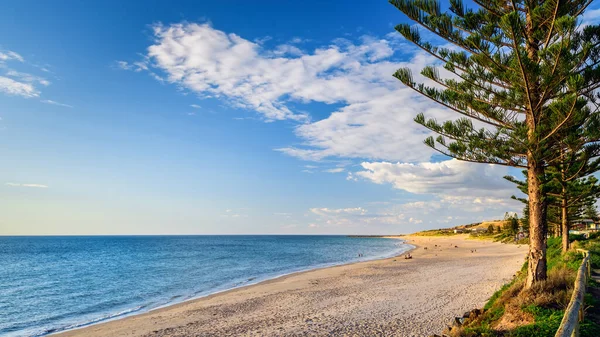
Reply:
x=569, y=326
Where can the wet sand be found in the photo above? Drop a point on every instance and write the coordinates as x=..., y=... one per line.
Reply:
x=391, y=297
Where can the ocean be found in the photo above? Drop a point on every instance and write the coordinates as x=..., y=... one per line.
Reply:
x=52, y=284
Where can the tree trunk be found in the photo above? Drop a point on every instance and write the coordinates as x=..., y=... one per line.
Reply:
x=538, y=227
x=565, y=221
x=536, y=266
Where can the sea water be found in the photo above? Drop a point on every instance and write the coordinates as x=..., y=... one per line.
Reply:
x=52, y=284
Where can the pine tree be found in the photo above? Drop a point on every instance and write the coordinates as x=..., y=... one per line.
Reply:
x=567, y=194
x=519, y=72
x=573, y=197
x=590, y=210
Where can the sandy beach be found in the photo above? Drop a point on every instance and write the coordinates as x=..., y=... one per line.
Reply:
x=391, y=297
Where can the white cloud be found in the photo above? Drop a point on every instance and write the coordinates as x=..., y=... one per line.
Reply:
x=591, y=17
x=374, y=122
x=11, y=55
x=16, y=83
x=286, y=49
x=123, y=65
x=356, y=217
x=26, y=185
x=16, y=88
x=328, y=211
x=213, y=63
x=451, y=177
x=450, y=192
x=297, y=40
x=372, y=118
x=195, y=106
x=47, y=101
x=28, y=78
x=135, y=66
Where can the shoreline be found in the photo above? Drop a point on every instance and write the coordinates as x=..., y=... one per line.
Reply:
x=255, y=282
x=400, y=297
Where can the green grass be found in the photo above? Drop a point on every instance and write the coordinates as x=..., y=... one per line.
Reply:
x=593, y=246
x=435, y=232
x=546, y=304
x=546, y=323
x=587, y=327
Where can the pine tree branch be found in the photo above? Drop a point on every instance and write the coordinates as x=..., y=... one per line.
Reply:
x=474, y=115
x=472, y=96
x=582, y=9
x=496, y=13
x=522, y=67
x=553, y=21
x=495, y=162
x=563, y=121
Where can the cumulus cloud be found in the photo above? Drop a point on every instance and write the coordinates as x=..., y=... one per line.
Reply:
x=380, y=128
x=372, y=118
x=454, y=192
x=375, y=117
x=11, y=55
x=27, y=185
x=214, y=63
x=447, y=177
x=16, y=88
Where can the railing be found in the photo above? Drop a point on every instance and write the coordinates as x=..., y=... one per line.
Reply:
x=569, y=327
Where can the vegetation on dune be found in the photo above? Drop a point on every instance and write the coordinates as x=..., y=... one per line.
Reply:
x=435, y=232
x=517, y=311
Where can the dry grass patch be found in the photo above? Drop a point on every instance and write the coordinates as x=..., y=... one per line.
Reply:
x=517, y=307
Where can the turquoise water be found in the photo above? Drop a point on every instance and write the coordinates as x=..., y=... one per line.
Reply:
x=51, y=284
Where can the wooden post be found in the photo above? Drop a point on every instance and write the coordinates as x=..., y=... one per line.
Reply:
x=569, y=326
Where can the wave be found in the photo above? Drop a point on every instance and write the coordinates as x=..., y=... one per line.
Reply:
x=125, y=312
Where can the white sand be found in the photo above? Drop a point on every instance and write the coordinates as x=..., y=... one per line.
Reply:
x=391, y=297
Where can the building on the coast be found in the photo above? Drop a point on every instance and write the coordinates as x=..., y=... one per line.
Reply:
x=584, y=225
x=458, y=231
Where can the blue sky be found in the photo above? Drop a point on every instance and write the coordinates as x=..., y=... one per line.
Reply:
x=155, y=117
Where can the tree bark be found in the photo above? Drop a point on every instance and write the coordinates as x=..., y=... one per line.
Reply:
x=536, y=265
x=538, y=226
x=564, y=220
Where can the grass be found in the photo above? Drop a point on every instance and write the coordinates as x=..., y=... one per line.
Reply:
x=516, y=312
x=435, y=232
